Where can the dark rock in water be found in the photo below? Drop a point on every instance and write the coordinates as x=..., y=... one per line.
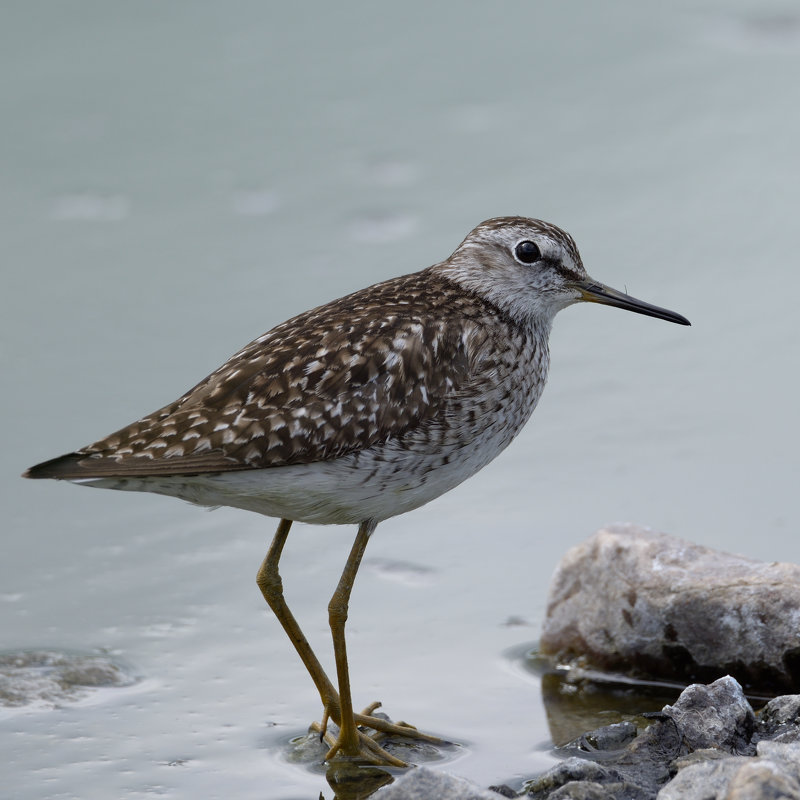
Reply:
x=49, y=678
x=611, y=737
x=708, y=744
x=779, y=720
x=632, y=600
x=503, y=790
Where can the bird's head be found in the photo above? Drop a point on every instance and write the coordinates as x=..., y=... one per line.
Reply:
x=532, y=269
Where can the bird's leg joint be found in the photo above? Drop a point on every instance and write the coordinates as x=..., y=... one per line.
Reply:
x=270, y=583
x=338, y=609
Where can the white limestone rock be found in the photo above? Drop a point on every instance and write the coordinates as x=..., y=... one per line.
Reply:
x=632, y=600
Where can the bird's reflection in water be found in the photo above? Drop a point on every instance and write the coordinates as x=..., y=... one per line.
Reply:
x=351, y=781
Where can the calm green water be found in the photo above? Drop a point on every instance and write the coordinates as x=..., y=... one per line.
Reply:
x=177, y=178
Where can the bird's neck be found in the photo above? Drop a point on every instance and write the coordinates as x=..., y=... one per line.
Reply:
x=518, y=305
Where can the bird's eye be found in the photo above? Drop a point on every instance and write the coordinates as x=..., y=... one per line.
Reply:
x=527, y=252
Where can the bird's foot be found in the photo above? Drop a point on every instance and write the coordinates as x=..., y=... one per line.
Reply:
x=370, y=731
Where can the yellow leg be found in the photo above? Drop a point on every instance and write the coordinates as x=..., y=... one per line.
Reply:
x=351, y=742
x=347, y=742
x=271, y=585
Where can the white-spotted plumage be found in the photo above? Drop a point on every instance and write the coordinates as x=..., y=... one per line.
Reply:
x=368, y=406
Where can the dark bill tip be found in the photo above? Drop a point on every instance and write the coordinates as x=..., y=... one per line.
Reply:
x=593, y=292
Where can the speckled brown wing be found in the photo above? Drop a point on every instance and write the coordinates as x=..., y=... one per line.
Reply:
x=334, y=380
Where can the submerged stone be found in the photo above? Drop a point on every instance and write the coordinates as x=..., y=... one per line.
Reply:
x=51, y=678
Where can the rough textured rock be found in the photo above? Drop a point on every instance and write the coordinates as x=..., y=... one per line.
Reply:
x=717, y=715
x=599, y=791
x=785, y=754
x=773, y=773
x=780, y=719
x=425, y=784
x=704, y=781
x=760, y=780
x=708, y=745
x=579, y=779
x=632, y=600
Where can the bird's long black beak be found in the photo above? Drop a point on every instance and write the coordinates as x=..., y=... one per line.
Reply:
x=594, y=292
